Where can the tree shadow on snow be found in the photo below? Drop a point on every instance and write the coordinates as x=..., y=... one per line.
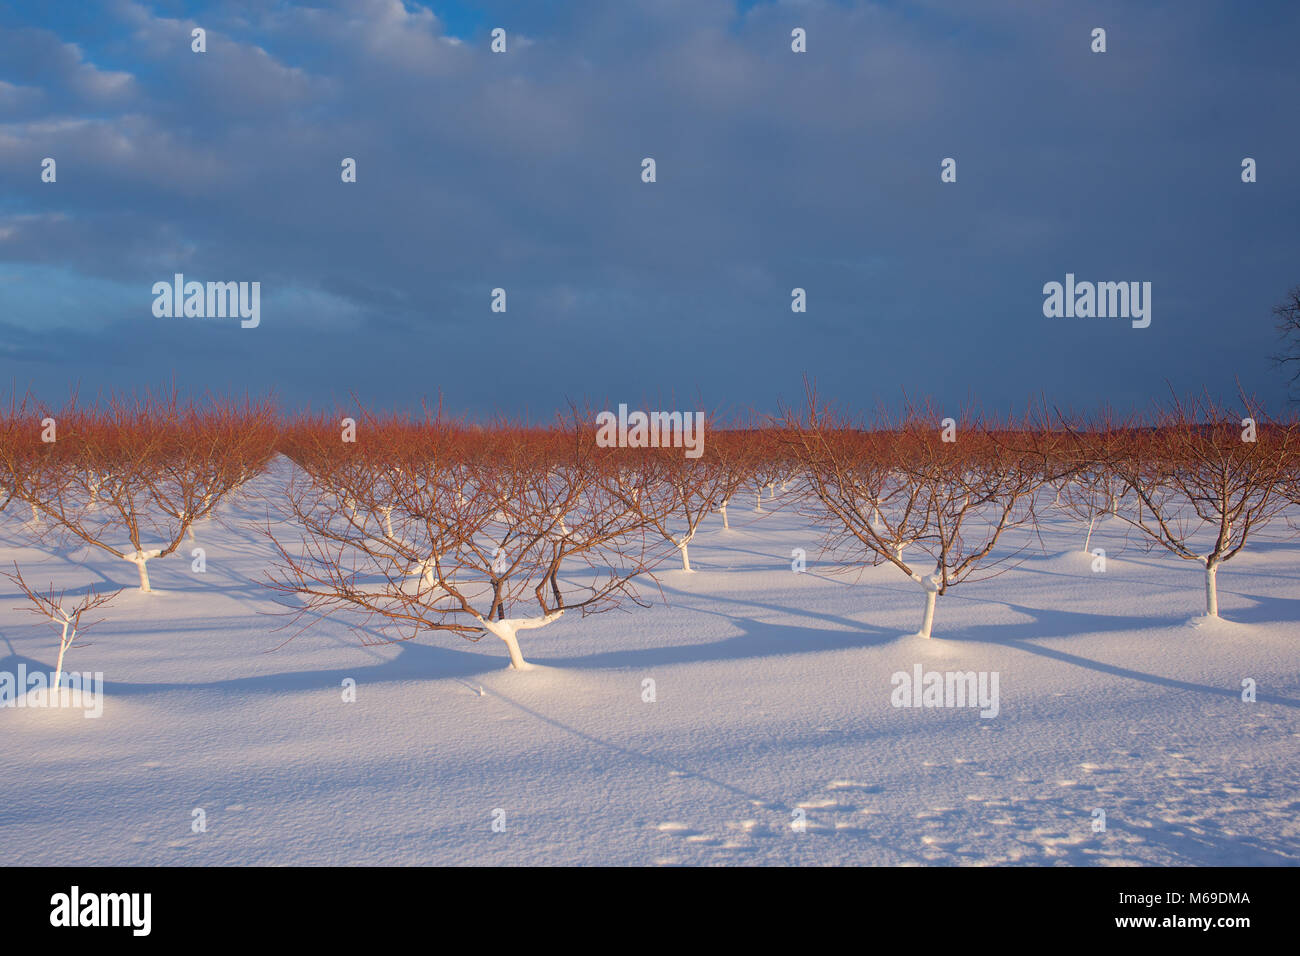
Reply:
x=1070, y=623
x=1263, y=609
x=13, y=660
x=1046, y=623
x=414, y=662
x=756, y=639
x=1205, y=848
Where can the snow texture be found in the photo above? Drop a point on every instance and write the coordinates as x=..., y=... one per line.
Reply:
x=772, y=696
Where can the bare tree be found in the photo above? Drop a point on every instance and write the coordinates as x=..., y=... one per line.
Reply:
x=1087, y=484
x=901, y=485
x=56, y=609
x=731, y=458
x=1204, y=473
x=767, y=464
x=145, y=470
x=429, y=526
x=673, y=493
x=24, y=457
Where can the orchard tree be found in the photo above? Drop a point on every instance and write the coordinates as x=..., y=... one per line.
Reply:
x=731, y=458
x=673, y=492
x=1205, y=479
x=1087, y=484
x=424, y=525
x=63, y=612
x=130, y=478
x=901, y=485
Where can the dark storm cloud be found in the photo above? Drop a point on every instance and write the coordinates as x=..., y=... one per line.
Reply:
x=775, y=170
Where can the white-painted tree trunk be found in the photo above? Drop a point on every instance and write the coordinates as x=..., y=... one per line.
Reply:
x=930, y=584
x=683, y=546
x=1088, y=540
x=64, y=641
x=516, y=655
x=426, y=570
x=1211, y=589
x=723, y=509
x=507, y=630
x=140, y=559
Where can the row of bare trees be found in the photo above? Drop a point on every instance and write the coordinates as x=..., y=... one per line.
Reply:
x=427, y=523
x=1195, y=479
x=129, y=478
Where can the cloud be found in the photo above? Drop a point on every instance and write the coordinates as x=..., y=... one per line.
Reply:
x=38, y=58
x=775, y=170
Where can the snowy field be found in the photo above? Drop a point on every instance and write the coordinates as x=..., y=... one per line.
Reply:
x=772, y=696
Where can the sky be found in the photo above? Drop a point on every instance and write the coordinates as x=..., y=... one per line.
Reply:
x=522, y=171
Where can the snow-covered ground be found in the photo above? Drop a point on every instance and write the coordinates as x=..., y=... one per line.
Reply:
x=772, y=696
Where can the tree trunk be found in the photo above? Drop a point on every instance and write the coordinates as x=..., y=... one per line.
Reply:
x=1088, y=540
x=1211, y=589
x=63, y=648
x=723, y=509
x=684, y=547
x=506, y=630
x=144, y=574
x=517, y=661
x=927, y=620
